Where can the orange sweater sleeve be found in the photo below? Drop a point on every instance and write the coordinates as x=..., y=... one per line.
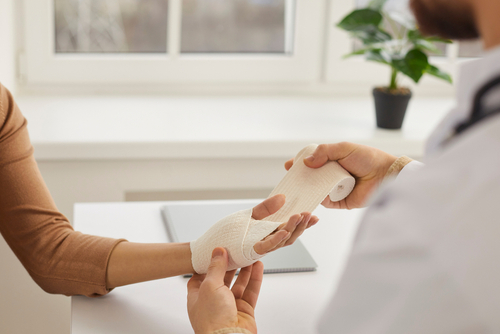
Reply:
x=59, y=259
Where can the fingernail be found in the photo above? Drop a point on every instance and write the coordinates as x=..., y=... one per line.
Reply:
x=217, y=252
x=299, y=221
x=310, y=158
x=285, y=235
x=308, y=219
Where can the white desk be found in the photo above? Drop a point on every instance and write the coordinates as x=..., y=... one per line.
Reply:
x=289, y=303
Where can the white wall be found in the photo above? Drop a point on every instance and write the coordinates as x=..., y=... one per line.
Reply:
x=7, y=46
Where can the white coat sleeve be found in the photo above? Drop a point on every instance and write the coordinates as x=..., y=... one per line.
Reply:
x=409, y=169
x=395, y=281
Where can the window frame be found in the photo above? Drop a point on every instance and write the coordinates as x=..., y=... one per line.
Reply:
x=43, y=66
x=315, y=66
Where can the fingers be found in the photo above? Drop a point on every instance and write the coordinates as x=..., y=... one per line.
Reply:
x=314, y=220
x=342, y=204
x=241, y=283
x=299, y=229
x=252, y=289
x=289, y=164
x=218, y=266
x=193, y=288
x=278, y=238
x=271, y=242
x=286, y=234
x=228, y=278
x=327, y=203
x=195, y=282
x=291, y=227
x=329, y=152
x=268, y=207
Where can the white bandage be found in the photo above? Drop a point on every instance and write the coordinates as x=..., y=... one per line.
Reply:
x=237, y=233
x=304, y=188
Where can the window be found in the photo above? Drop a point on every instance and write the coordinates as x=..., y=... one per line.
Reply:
x=104, y=26
x=172, y=41
x=244, y=26
x=201, y=42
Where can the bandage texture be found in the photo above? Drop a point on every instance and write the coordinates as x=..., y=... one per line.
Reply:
x=305, y=188
x=238, y=233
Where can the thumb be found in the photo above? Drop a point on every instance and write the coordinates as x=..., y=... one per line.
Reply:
x=268, y=207
x=329, y=152
x=218, y=266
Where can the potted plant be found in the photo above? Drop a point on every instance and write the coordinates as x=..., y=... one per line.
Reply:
x=401, y=46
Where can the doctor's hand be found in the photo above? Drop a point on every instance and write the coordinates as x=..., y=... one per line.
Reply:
x=286, y=233
x=212, y=305
x=368, y=165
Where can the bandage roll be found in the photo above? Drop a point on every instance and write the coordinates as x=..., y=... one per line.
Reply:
x=305, y=188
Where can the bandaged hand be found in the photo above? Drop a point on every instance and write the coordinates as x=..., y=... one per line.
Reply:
x=247, y=237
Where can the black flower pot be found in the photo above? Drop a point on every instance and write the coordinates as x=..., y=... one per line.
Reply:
x=390, y=107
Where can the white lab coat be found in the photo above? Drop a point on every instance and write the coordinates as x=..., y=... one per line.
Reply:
x=426, y=258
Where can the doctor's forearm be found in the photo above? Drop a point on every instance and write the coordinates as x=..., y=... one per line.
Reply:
x=136, y=262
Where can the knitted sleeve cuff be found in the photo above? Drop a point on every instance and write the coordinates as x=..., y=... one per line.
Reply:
x=397, y=166
x=232, y=330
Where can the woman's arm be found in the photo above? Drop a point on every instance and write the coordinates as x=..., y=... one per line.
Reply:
x=135, y=262
x=61, y=260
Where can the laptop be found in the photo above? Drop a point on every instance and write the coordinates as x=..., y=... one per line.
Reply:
x=187, y=220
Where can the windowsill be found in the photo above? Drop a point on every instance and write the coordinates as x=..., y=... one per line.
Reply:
x=152, y=127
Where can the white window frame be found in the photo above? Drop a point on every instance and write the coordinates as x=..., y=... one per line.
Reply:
x=43, y=66
x=314, y=65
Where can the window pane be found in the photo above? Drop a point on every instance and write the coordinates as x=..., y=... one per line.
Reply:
x=470, y=49
x=111, y=25
x=233, y=26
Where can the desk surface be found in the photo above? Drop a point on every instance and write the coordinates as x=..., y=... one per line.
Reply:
x=160, y=306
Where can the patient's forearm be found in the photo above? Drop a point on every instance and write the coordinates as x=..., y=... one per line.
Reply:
x=135, y=262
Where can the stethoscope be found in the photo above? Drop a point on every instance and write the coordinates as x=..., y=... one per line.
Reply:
x=479, y=112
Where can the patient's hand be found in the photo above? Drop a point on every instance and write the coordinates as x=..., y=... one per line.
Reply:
x=286, y=233
x=247, y=237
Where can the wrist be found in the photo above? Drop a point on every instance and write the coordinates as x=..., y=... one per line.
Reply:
x=187, y=258
x=397, y=166
x=231, y=330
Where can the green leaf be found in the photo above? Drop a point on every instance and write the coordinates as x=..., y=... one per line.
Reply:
x=415, y=34
x=413, y=65
x=377, y=4
x=438, y=40
x=358, y=52
x=372, y=35
x=422, y=44
x=360, y=20
x=433, y=70
x=379, y=56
